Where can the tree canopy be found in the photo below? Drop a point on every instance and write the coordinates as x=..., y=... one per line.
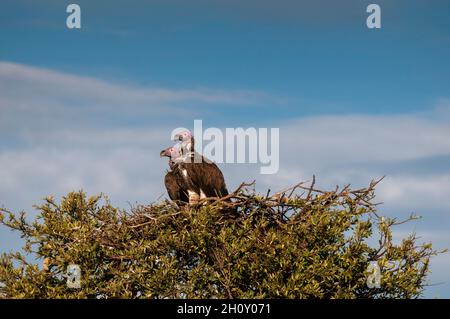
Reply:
x=299, y=243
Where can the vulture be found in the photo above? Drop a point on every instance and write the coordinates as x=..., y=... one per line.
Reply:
x=189, y=180
x=180, y=181
x=175, y=184
x=203, y=172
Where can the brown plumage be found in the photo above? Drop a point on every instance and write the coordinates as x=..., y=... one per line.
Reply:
x=176, y=185
x=192, y=176
x=209, y=178
x=205, y=174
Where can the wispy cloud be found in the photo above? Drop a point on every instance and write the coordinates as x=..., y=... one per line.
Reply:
x=36, y=96
x=15, y=78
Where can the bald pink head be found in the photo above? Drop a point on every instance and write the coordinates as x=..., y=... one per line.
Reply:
x=183, y=136
x=171, y=152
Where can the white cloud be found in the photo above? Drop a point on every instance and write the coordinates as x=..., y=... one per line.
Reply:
x=417, y=192
x=35, y=99
x=14, y=77
x=367, y=138
x=124, y=174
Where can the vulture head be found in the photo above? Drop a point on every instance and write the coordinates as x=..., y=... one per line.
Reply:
x=187, y=143
x=183, y=136
x=170, y=152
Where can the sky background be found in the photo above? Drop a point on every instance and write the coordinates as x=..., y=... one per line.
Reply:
x=91, y=108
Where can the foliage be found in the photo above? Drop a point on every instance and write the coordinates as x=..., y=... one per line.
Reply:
x=298, y=243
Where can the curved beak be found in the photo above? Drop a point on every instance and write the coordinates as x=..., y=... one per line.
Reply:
x=163, y=153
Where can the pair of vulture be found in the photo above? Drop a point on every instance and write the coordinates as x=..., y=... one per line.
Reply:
x=191, y=176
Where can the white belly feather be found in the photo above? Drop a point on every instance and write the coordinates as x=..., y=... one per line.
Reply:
x=192, y=194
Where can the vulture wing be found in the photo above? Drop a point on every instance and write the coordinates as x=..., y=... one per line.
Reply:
x=210, y=179
x=200, y=174
x=175, y=188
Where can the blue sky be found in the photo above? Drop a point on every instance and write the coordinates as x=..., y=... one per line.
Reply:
x=91, y=108
x=321, y=53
